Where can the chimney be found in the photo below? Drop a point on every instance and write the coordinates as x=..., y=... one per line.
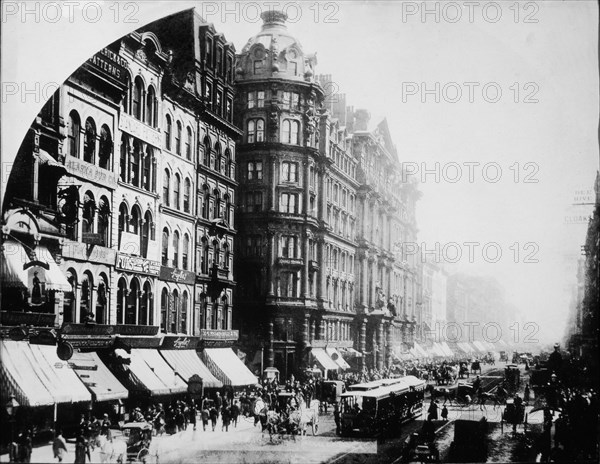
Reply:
x=361, y=120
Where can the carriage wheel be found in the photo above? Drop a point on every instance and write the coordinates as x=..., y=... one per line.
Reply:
x=142, y=456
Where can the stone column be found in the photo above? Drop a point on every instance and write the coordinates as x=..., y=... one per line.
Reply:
x=305, y=181
x=322, y=194
x=388, y=340
x=271, y=260
x=380, y=353
x=362, y=339
x=270, y=351
x=273, y=174
x=321, y=285
x=305, y=275
x=364, y=283
x=322, y=328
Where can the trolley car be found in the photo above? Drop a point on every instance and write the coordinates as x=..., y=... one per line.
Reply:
x=369, y=412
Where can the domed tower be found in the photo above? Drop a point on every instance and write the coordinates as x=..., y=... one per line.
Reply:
x=279, y=108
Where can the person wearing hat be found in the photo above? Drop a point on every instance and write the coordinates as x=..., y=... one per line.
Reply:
x=105, y=427
x=555, y=359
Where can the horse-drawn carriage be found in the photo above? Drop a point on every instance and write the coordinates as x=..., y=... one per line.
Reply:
x=136, y=448
x=503, y=356
x=331, y=392
x=290, y=415
x=463, y=370
x=476, y=367
x=514, y=413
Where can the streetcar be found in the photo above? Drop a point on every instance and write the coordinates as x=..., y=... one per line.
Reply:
x=369, y=412
x=366, y=386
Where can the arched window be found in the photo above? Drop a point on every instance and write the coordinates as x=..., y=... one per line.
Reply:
x=138, y=98
x=104, y=220
x=151, y=107
x=188, y=144
x=89, y=212
x=146, y=306
x=74, y=131
x=123, y=161
x=166, y=188
x=204, y=263
x=69, y=303
x=187, y=191
x=122, y=220
x=165, y=247
x=290, y=130
x=206, y=203
x=121, y=299
x=146, y=233
x=133, y=302
x=135, y=163
x=184, y=252
x=217, y=210
x=203, y=311
x=225, y=313
x=174, y=311
x=164, y=309
x=89, y=146
x=147, y=176
x=125, y=103
x=101, y=300
x=136, y=217
x=176, y=192
x=251, y=132
x=184, y=312
x=206, y=151
x=178, y=139
x=260, y=130
x=218, y=157
x=175, y=249
x=85, y=303
x=227, y=162
x=168, y=131
x=106, y=147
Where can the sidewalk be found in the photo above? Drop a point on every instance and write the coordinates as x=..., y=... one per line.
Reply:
x=43, y=453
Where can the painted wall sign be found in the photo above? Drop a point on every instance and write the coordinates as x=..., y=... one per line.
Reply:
x=140, y=130
x=88, y=171
x=137, y=264
x=177, y=275
x=80, y=251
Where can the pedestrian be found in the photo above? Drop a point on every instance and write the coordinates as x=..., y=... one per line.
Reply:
x=526, y=393
x=336, y=417
x=205, y=414
x=445, y=413
x=218, y=403
x=235, y=412
x=433, y=411
x=105, y=427
x=59, y=446
x=25, y=445
x=192, y=414
x=81, y=449
x=214, y=415
x=225, y=417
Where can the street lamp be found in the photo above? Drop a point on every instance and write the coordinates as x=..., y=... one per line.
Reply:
x=12, y=407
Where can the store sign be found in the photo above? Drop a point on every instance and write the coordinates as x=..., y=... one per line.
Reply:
x=81, y=252
x=137, y=264
x=88, y=171
x=89, y=341
x=110, y=63
x=139, y=130
x=91, y=238
x=177, y=275
x=179, y=343
x=208, y=334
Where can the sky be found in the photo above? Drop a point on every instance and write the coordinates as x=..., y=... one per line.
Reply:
x=493, y=107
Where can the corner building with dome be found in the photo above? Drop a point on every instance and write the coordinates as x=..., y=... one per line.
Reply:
x=298, y=279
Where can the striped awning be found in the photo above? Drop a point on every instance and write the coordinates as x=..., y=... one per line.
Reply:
x=37, y=377
x=94, y=374
x=187, y=363
x=12, y=272
x=55, y=279
x=324, y=359
x=227, y=367
x=149, y=371
x=337, y=358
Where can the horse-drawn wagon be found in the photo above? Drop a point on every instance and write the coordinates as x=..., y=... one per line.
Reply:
x=134, y=446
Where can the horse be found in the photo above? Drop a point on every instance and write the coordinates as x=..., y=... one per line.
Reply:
x=438, y=391
x=110, y=450
x=483, y=397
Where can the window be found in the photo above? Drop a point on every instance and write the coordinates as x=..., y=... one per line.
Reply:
x=104, y=220
x=151, y=107
x=288, y=246
x=105, y=151
x=256, y=130
x=289, y=172
x=89, y=211
x=219, y=65
x=148, y=161
x=258, y=65
x=255, y=170
x=206, y=151
x=229, y=70
x=185, y=251
x=218, y=158
x=227, y=162
x=136, y=218
x=205, y=203
x=89, y=145
x=229, y=110
x=176, y=191
x=146, y=233
x=290, y=129
x=188, y=145
x=288, y=203
x=217, y=211
x=74, y=131
x=122, y=219
x=168, y=130
x=166, y=188
x=260, y=130
x=204, y=263
x=174, y=310
x=178, y=139
x=251, y=100
x=208, y=95
x=138, y=96
x=254, y=202
x=184, y=310
x=219, y=102
x=164, y=309
x=208, y=51
x=289, y=283
x=187, y=189
x=287, y=98
x=134, y=165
